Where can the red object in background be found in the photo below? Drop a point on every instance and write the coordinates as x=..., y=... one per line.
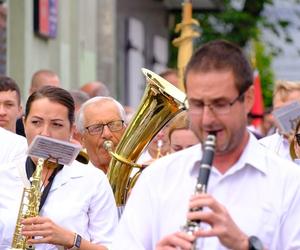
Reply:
x=44, y=17
x=257, y=111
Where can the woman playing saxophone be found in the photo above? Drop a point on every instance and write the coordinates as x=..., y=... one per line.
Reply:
x=77, y=207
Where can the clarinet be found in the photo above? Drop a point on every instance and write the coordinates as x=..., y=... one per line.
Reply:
x=205, y=166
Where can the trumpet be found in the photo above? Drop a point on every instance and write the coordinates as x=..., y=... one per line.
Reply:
x=201, y=187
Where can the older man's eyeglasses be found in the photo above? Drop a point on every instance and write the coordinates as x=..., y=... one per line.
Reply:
x=298, y=139
x=218, y=107
x=113, y=126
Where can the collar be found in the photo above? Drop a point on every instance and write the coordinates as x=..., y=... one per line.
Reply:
x=253, y=156
x=68, y=172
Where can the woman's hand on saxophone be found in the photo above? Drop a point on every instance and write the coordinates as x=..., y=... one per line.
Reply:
x=45, y=230
x=179, y=240
x=220, y=221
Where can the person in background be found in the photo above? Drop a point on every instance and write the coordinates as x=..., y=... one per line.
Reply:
x=129, y=111
x=43, y=77
x=12, y=146
x=246, y=183
x=100, y=119
x=268, y=124
x=256, y=132
x=179, y=133
x=158, y=147
x=80, y=98
x=285, y=92
x=77, y=203
x=40, y=78
x=295, y=145
x=10, y=103
x=95, y=88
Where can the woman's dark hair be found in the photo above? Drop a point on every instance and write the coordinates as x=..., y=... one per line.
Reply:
x=222, y=55
x=54, y=94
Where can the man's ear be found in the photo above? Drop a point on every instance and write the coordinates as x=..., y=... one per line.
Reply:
x=82, y=140
x=249, y=98
x=20, y=111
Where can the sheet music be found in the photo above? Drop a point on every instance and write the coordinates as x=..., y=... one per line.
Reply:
x=53, y=149
x=287, y=117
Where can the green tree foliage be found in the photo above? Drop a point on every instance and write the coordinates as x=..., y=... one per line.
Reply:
x=263, y=64
x=240, y=25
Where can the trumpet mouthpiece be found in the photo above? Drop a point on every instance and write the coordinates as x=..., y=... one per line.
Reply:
x=108, y=145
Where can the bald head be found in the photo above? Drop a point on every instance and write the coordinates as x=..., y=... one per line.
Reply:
x=43, y=78
x=95, y=89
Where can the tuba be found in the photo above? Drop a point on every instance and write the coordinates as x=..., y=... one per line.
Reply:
x=160, y=103
x=83, y=156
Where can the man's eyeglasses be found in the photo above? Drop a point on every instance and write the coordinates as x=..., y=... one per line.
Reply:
x=218, y=107
x=113, y=126
x=298, y=139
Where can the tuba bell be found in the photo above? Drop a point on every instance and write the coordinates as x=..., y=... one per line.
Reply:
x=83, y=156
x=160, y=103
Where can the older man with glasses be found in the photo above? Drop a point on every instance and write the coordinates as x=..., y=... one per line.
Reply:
x=100, y=119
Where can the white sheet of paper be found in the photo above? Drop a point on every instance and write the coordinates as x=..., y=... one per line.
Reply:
x=287, y=116
x=55, y=150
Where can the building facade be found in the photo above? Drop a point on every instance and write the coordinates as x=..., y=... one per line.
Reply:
x=87, y=40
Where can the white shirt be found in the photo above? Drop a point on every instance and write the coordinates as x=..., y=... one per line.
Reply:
x=278, y=144
x=144, y=157
x=80, y=200
x=12, y=146
x=261, y=192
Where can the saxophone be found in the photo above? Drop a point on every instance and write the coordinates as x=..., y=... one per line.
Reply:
x=205, y=166
x=29, y=207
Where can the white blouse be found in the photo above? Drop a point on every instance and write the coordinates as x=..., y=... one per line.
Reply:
x=80, y=199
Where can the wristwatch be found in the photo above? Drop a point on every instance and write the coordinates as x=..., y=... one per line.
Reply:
x=255, y=243
x=77, y=242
